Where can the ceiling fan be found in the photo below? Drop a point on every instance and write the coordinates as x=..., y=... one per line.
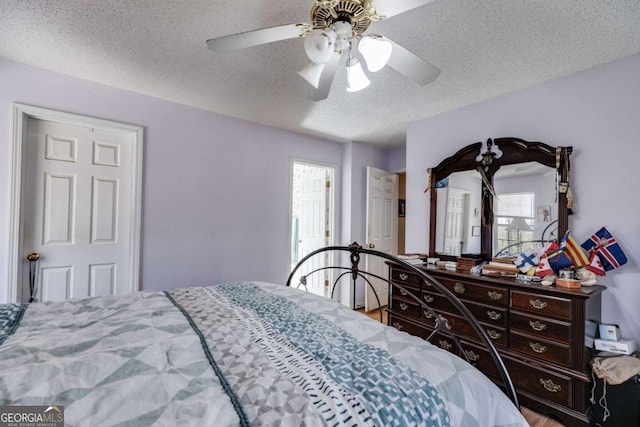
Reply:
x=337, y=36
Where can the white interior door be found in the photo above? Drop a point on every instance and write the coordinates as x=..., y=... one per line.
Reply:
x=312, y=200
x=382, y=230
x=77, y=210
x=454, y=223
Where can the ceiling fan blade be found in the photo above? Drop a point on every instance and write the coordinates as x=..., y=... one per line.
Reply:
x=388, y=8
x=411, y=65
x=326, y=78
x=257, y=37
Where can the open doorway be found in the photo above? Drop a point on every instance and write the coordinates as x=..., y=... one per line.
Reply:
x=312, y=225
x=402, y=209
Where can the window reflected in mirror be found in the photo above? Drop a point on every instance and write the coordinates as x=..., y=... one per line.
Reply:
x=515, y=222
x=524, y=208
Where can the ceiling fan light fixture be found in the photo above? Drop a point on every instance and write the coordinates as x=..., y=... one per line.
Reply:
x=376, y=52
x=311, y=73
x=319, y=45
x=337, y=28
x=356, y=78
x=343, y=29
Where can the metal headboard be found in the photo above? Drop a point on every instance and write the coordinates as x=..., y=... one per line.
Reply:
x=548, y=236
x=441, y=323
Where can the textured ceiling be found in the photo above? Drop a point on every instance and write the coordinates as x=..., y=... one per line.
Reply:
x=484, y=49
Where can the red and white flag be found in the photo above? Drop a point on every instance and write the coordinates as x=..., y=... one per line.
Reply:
x=544, y=268
x=595, y=265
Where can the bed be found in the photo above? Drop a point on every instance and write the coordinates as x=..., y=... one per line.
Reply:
x=246, y=353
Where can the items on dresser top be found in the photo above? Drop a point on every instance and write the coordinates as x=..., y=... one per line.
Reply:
x=414, y=259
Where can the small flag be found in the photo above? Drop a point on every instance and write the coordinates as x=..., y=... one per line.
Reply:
x=526, y=260
x=556, y=256
x=595, y=266
x=544, y=268
x=574, y=251
x=607, y=248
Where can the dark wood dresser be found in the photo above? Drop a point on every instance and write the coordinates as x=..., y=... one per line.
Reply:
x=539, y=332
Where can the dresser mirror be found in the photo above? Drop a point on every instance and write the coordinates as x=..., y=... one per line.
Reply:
x=490, y=197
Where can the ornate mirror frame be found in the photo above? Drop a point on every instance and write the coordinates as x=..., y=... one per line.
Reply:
x=487, y=158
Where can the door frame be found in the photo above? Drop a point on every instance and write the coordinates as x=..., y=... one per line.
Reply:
x=21, y=114
x=370, y=170
x=333, y=237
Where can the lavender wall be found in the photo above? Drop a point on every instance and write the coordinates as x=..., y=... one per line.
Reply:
x=398, y=159
x=598, y=113
x=215, y=189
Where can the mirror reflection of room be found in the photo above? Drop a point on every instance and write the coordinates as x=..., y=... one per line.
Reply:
x=459, y=214
x=523, y=211
x=523, y=190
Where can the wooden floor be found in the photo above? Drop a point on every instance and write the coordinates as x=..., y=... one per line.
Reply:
x=534, y=419
x=375, y=314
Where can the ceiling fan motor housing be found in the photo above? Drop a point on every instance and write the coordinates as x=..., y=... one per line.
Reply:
x=325, y=13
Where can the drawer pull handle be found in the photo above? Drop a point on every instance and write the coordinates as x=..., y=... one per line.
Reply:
x=459, y=288
x=537, y=326
x=445, y=344
x=549, y=385
x=428, y=314
x=404, y=276
x=397, y=325
x=429, y=298
x=472, y=355
x=494, y=315
x=403, y=292
x=494, y=295
x=403, y=306
x=537, y=304
x=537, y=347
x=494, y=335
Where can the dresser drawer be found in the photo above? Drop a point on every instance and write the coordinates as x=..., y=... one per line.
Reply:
x=437, y=301
x=543, y=327
x=542, y=305
x=405, y=307
x=408, y=326
x=541, y=348
x=445, y=342
x=405, y=278
x=395, y=291
x=541, y=382
x=494, y=315
x=497, y=335
x=480, y=358
x=475, y=292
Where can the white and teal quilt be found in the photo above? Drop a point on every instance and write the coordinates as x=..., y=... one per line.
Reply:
x=234, y=354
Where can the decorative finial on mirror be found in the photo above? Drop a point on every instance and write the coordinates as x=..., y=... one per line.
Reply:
x=488, y=152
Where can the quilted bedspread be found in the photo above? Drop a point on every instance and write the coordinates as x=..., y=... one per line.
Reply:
x=234, y=354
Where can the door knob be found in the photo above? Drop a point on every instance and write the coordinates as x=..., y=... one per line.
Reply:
x=33, y=256
x=371, y=246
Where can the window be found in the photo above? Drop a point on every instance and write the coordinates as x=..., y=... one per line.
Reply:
x=514, y=219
